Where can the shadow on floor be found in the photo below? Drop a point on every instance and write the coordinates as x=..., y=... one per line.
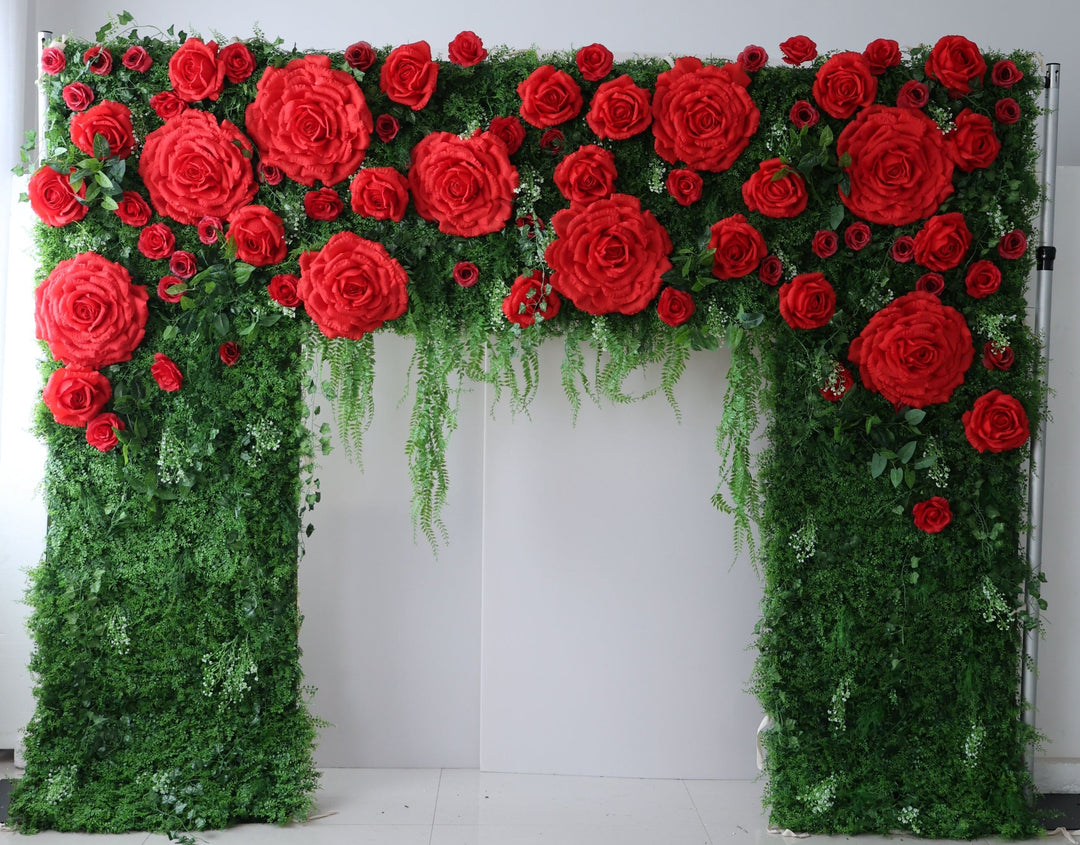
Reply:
x=1059, y=810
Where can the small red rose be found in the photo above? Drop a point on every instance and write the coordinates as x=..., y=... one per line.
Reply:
x=753, y=58
x=549, y=97
x=973, y=144
x=101, y=432
x=913, y=95
x=229, y=353
x=739, y=247
x=238, y=61
x=675, y=306
x=903, y=249
x=194, y=71
x=771, y=270
x=182, y=264
x=839, y=382
x=53, y=60
x=360, y=55
x=956, y=63
x=531, y=299
x=323, y=204
x=259, y=235
x=210, y=229
x=775, y=190
x=380, y=193
x=282, y=290
x=857, y=236
x=387, y=127
x=166, y=373
x=983, y=278
x=844, y=84
x=467, y=49
x=110, y=120
x=508, y=130
x=933, y=515
x=586, y=175
x=803, y=114
x=53, y=199
x=78, y=96
x=269, y=174
x=157, y=241
x=75, y=396
x=619, y=109
x=1007, y=111
x=798, y=49
x=997, y=357
x=1012, y=244
x=931, y=283
x=594, y=62
x=552, y=141
x=996, y=423
x=99, y=60
x=466, y=274
x=685, y=186
x=171, y=289
x=942, y=242
x=882, y=54
x=1005, y=74
x=808, y=301
x=133, y=210
x=825, y=243
x=137, y=59
x=166, y=104
x=408, y=76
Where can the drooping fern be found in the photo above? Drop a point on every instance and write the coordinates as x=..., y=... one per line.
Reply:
x=348, y=385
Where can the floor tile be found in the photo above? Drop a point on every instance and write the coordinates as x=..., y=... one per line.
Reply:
x=376, y=796
x=310, y=834
x=52, y=837
x=729, y=807
x=569, y=835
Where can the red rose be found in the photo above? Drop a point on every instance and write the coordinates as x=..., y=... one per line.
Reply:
x=209, y=229
x=798, y=49
x=53, y=60
x=78, y=96
x=323, y=204
x=508, y=130
x=703, y=115
x=182, y=264
x=166, y=104
x=282, y=290
x=310, y=120
x=932, y=515
x=1007, y=111
x=844, y=84
x=195, y=168
x=194, y=71
x=914, y=351
x=900, y=170
x=552, y=141
x=803, y=114
x=825, y=243
x=531, y=300
x=269, y=174
x=752, y=58
x=229, y=353
x=675, y=306
x=619, y=109
x=387, y=127
x=133, y=210
x=466, y=49
x=75, y=396
x=857, y=236
x=89, y=313
x=549, y=97
x=685, y=186
x=171, y=289
x=110, y=120
x=238, y=61
x=101, y=432
x=166, y=373
x=467, y=185
x=882, y=54
x=157, y=241
x=360, y=55
x=53, y=199
x=352, y=286
x=996, y=423
x=838, y=383
x=942, y=242
x=530, y=224
x=775, y=190
x=608, y=256
x=594, y=62
x=808, y=301
x=380, y=193
x=1005, y=74
x=739, y=247
x=903, y=249
x=408, y=75
x=931, y=283
x=956, y=62
x=997, y=357
x=1012, y=244
x=771, y=270
x=913, y=95
x=983, y=278
x=466, y=274
x=259, y=235
x=99, y=59
x=586, y=175
x=973, y=144
x=137, y=59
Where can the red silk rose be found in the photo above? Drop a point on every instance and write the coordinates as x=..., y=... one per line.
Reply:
x=619, y=109
x=466, y=274
x=933, y=515
x=75, y=396
x=803, y=114
x=193, y=167
x=942, y=242
x=237, y=60
x=380, y=193
x=903, y=249
x=53, y=199
x=675, y=306
x=101, y=432
x=229, y=353
x=882, y=54
x=1007, y=111
x=310, y=120
x=549, y=97
x=956, y=63
x=166, y=373
x=109, y=119
x=703, y=115
x=914, y=351
x=586, y=175
x=798, y=49
x=171, y=289
x=857, y=235
x=775, y=190
x=997, y=357
x=466, y=49
x=531, y=299
x=360, y=55
x=808, y=301
x=137, y=59
x=594, y=62
x=931, y=283
x=983, y=278
x=752, y=58
x=89, y=312
x=99, y=60
x=166, y=104
x=1012, y=244
x=467, y=185
x=913, y=95
x=133, y=210
x=194, y=71
x=771, y=270
x=182, y=263
x=387, y=127
x=408, y=76
x=825, y=243
x=685, y=186
x=269, y=174
x=157, y=241
x=78, y=96
x=552, y=141
x=900, y=170
x=739, y=247
x=323, y=204
x=844, y=84
x=352, y=286
x=282, y=290
x=209, y=229
x=508, y=130
x=839, y=382
x=259, y=235
x=973, y=144
x=996, y=423
x=53, y=60
x=1005, y=74
x=608, y=256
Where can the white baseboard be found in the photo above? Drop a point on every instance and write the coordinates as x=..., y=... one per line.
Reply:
x=1057, y=774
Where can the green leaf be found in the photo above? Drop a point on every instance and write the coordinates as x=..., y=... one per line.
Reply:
x=906, y=451
x=871, y=422
x=877, y=465
x=102, y=179
x=109, y=204
x=914, y=416
x=909, y=478
x=826, y=138
x=845, y=160
x=836, y=216
x=169, y=332
x=221, y=325
x=101, y=147
x=896, y=476
x=242, y=272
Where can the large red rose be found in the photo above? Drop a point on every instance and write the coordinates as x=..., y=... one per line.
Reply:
x=408, y=76
x=899, y=167
x=587, y=174
x=89, y=312
x=996, y=423
x=956, y=62
x=844, y=83
x=193, y=167
x=973, y=144
x=379, y=192
x=808, y=301
x=109, y=119
x=933, y=515
x=619, y=109
x=530, y=299
x=259, y=235
x=942, y=242
x=310, y=120
x=702, y=114
x=775, y=190
x=53, y=199
x=352, y=286
x=467, y=185
x=914, y=351
x=549, y=97
x=195, y=72
x=608, y=256
x=75, y=396
x=739, y=247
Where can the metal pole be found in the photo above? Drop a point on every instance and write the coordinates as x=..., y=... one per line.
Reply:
x=1043, y=278
x=44, y=39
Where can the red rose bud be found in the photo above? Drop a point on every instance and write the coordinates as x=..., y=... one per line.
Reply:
x=753, y=58
x=931, y=283
x=466, y=274
x=467, y=49
x=100, y=60
x=360, y=55
x=882, y=54
x=933, y=515
x=903, y=249
x=182, y=264
x=997, y=357
x=1007, y=111
x=825, y=243
x=1012, y=244
x=283, y=290
x=840, y=381
x=210, y=229
x=229, y=353
x=1006, y=74
x=53, y=60
x=803, y=114
x=78, y=96
x=913, y=95
x=269, y=174
x=387, y=127
x=983, y=278
x=166, y=373
x=675, y=307
x=552, y=141
x=176, y=285
x=594, y=62
x=101, y=432
x=857, y=236
x=771, y=270
x=798, y=49
x=137, y=59
x=685, y=186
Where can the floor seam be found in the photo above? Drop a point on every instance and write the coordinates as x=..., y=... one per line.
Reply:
x=693, y=803
x=435, y=809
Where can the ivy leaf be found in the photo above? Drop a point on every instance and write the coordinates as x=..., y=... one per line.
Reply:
x=877, y=465
x=836, y=216
x=906, y=451
x=896, y=475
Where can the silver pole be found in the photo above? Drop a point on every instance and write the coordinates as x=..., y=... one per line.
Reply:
x=1043, y=277
x=45, y=38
